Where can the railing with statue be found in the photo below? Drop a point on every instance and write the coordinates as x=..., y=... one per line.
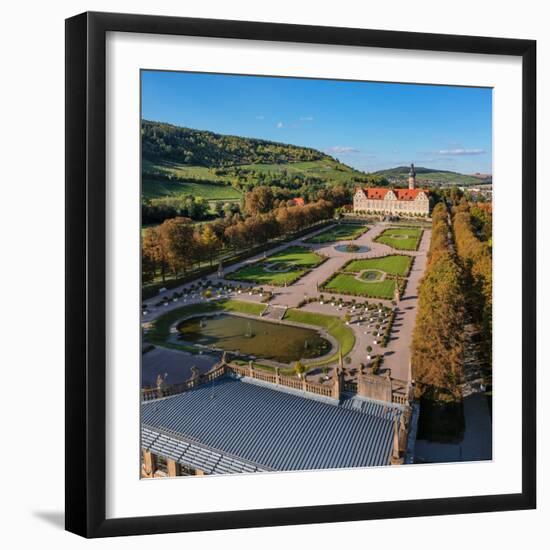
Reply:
x=162, y=390
x=382, y=388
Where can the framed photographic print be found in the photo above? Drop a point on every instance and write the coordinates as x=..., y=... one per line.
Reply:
x=300, y=274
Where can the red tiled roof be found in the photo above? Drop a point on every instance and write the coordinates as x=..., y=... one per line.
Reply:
x=376, y=192
x=401, y=194
x=299, y=201
x=408, y=194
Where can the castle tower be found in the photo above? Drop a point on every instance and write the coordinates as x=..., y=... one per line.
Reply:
x=412, y=177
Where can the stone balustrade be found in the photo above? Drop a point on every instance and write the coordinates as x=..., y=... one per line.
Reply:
x=381, y=388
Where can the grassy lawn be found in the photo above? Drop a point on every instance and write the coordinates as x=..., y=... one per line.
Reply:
x=402, y=238
x=348, y=284
x=346, y=232
x=160, y=330
x=153, y=189
x=327, y=170
x=394, y=265
x=333, y=325
x=284, y=267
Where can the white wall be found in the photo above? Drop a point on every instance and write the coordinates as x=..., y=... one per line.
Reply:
x=32, y=233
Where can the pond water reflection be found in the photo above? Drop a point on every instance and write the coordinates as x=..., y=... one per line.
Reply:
x=279, y=342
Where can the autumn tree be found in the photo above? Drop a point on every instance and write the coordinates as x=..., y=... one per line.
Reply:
x=210, y=242
x=437, y=344
x=153, y=255
x=476, y=259
x=176, y=241
x=259, y=200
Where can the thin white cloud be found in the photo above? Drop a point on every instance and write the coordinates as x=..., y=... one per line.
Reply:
x=279, y=124
x=339, y=149
x=460, y=152
x=260, y=117
x=306, y=118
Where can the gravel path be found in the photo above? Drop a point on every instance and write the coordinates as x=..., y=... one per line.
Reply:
x=397, y=353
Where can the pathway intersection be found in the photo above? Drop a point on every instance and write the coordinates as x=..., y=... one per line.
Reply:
x=397, y=352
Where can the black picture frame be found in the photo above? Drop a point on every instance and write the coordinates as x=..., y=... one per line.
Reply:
x=86, y=274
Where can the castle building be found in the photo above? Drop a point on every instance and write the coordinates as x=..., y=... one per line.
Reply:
x=382, y=200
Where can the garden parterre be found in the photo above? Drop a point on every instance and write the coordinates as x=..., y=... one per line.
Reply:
x=394, y=264
x=284, y=267
x=401, y=238
x=344, y=232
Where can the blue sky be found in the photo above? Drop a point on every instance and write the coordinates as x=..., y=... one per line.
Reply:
x=368, y=125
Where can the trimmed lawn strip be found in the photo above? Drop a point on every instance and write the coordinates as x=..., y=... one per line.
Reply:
x=394, y=237
x=344, y=283
x=333, y=325
x=346, y=232
x=394, y=265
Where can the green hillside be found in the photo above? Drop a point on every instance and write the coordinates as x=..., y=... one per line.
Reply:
x=179, y=162
x=165, y=142
x=428, y=176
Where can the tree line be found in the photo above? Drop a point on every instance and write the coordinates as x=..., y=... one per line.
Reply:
x=177, y=245
x=157, y=210
x=260, y=199
x=472, y=227
x=437, y=343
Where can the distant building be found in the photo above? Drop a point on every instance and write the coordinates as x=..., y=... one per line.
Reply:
x=298, y=201
x=382, y=200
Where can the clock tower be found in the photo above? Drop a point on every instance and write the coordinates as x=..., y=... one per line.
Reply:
x=412, y=177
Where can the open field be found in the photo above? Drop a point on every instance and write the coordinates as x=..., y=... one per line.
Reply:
x=284, y=267
x=394, y=265
x=343, y=283
x=345, y=232
x=324, y=169
x=218, y=184
x=154, y=189
x=401, y=238
x=333, y=325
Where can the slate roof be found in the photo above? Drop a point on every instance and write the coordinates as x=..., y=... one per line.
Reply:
x=237, y=425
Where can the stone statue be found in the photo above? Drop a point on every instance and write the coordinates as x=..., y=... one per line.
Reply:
x=195, y=374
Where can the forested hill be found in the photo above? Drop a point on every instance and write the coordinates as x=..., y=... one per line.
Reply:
x=163, y=142
x=429, y=176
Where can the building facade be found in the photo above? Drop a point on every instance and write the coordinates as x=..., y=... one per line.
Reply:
x=401, y=202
